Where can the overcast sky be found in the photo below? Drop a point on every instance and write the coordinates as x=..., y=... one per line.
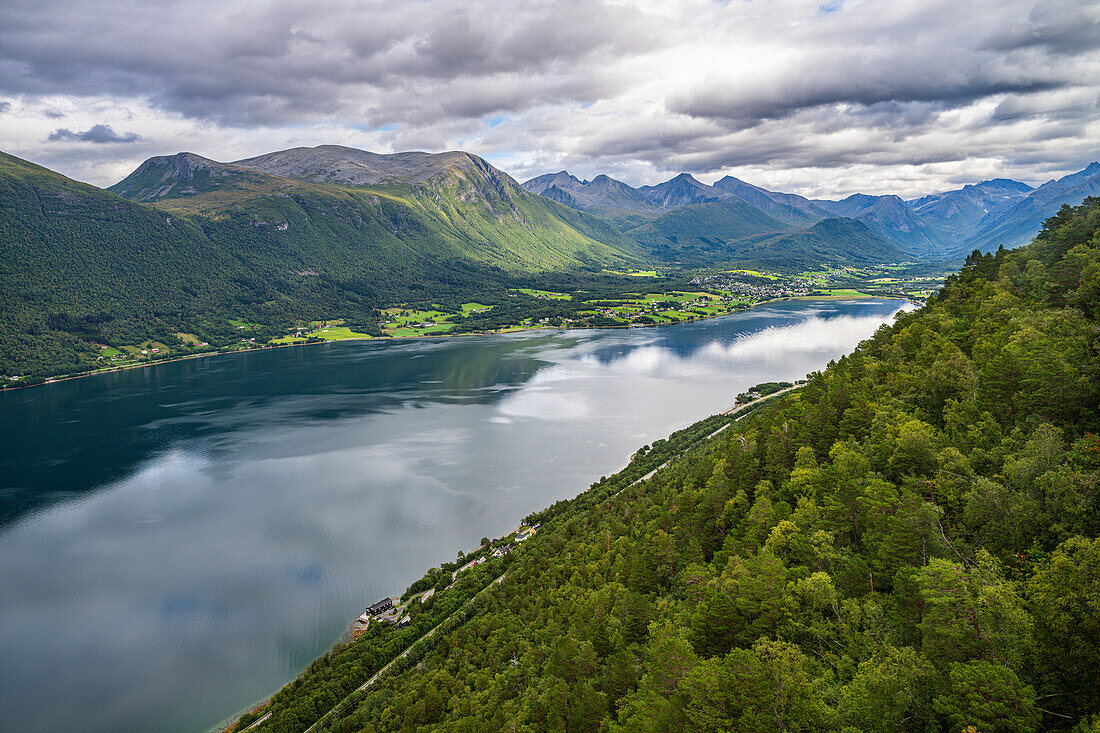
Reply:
x=822, y=98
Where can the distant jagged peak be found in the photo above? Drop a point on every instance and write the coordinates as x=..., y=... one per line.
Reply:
x=734, y=181
x=604, y=181
x=688, y=179
x=859, y=202
x=679, y=181
x=682, y=190
x=1090, y=171
x=563, y=179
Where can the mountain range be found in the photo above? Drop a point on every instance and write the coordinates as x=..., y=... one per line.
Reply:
x=944, y=226
x=184, y=244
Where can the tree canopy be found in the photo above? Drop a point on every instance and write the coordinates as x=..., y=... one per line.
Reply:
x=907, y=543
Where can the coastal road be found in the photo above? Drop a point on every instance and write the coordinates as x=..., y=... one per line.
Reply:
x=393, y=661
x=733, y=411
x=738, y=408
x=404, y=654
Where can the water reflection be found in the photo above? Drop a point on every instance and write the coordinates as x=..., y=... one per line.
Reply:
x=188, y=537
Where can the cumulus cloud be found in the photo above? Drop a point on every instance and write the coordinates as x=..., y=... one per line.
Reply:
x=799, y=94
x=99, y=134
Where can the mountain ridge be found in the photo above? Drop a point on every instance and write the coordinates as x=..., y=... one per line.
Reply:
x=941, y=226
x=84, y=266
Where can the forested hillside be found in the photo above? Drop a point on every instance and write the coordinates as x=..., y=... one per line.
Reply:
x=829, y=240
x=907, y=543
x=699, y=234
x=84, y=268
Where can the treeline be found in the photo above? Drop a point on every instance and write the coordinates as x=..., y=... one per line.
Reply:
x=330, y=679
x=83, y=268
x=907, y=543
x=333, y=677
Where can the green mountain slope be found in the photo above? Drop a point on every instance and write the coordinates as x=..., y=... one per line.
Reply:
x=907, y=543
x=836, y=240
x=80, y=263
x=183, y=174
x=698, y=234
x=83, y=267
x=450, y=205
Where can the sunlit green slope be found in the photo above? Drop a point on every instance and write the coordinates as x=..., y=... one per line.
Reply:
x=83, y=267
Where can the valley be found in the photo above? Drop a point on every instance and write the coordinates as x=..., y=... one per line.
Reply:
x=603, y=303
x=592, y=367
x=189, y=256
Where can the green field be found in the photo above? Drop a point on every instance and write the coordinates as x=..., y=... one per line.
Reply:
x=755, y=273
x=328, y=333
x=404, y=322
x=468, y=308
x=338, y=333
x=436, y=330
x=842, y=293
x=548, y=294
x=634, y=273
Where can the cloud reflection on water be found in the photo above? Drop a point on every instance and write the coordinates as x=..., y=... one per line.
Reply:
x=216, y=568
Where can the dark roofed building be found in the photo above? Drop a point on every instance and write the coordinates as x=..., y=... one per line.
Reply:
x=380, y=607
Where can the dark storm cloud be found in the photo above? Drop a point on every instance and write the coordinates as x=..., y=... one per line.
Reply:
x=900, y=67
x=1062, y=27
x=895, y=77
x=1079, y=107
x=99, y=134
x=639, y=89
x=287, y=62
x=4, y=107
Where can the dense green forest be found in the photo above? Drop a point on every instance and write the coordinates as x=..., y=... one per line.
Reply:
x=909, y=542
x=185, y=253
x=707, y=235
x=85, y=268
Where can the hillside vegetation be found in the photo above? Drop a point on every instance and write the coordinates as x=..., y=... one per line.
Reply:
x=829, y=240
x=939, y=227
x=84, y=268
x=699, y=234
x=907, y=543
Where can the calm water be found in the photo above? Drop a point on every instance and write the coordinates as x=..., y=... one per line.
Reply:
x=178, y=541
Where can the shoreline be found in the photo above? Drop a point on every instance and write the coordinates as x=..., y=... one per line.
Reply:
x=391, y=339
x=347, y=637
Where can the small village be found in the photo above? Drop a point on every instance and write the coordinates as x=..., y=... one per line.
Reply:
x=394, y=610
x=748, y=289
